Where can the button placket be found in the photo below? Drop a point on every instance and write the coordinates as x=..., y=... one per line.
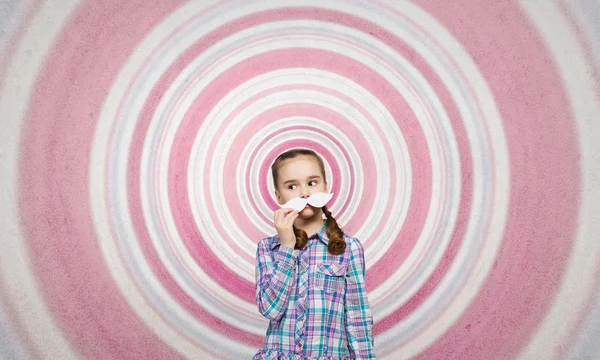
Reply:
x=302, y=299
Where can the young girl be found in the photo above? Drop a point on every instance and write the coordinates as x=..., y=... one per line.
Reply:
x=311, y=288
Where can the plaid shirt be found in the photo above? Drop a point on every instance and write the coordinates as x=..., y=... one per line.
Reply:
x=316, y=302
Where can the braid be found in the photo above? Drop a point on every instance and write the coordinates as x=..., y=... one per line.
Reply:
x=301, y=238
x=337, y=245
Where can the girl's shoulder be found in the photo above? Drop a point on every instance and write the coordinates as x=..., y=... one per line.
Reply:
x=269, y=241
x=353, y=243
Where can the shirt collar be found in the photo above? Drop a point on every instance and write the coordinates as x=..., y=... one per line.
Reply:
x=321, y=235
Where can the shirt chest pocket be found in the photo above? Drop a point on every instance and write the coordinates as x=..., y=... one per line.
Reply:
x=330, y=277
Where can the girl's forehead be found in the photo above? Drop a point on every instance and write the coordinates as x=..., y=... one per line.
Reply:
x=300, y=164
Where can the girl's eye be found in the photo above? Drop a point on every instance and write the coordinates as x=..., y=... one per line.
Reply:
x=290, y=187
x=312, y=181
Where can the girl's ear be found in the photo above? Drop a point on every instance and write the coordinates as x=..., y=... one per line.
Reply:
x=278, y=196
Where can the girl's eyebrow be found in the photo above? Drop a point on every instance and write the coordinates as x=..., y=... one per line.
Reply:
x=308, y=178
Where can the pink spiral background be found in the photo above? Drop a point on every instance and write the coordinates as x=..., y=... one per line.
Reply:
x=461, y=141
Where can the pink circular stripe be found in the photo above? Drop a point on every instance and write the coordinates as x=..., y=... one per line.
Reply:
x=509, y=302
x=240, y=73
x=79, y=288
x=544, y=169
x=594, y=294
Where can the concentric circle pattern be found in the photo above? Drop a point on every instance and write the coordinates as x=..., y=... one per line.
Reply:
x=461, y=141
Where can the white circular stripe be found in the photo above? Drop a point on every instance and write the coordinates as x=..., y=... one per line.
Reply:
x=157, y=232
x=184, y=106
x=208, y=78
x=595, y=129
x=283, y=98
x=10, y=342
x=430, y=222
x=473, y=137
x=302, y=134
x=580, y=277
x=266, y=212
x=586, y=16
x=433, y=227
x=210, y=120
x=499, y=203
x=157, y=294
x=20, y=286
x=587, y=345
x=309, y=77
x=244, y=115
x=279, y=99
x=169, y=247
x=225, y=64
x=13, y=15
x=108, y=243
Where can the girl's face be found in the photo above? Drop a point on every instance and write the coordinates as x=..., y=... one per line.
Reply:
x=300, y=177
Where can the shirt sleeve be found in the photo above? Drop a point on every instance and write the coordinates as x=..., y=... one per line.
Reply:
x=359, y=321
x=274, y=279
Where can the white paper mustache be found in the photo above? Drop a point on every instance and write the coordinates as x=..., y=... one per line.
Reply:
x=317, y=200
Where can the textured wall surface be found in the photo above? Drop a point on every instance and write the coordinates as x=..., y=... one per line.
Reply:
x=461, y=140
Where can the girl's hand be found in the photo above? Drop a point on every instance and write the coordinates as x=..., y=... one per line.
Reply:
x=284, y=221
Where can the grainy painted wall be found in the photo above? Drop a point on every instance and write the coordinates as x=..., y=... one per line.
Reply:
x=461, y=140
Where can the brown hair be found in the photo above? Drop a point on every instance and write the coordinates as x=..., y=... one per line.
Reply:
x=337, y=245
